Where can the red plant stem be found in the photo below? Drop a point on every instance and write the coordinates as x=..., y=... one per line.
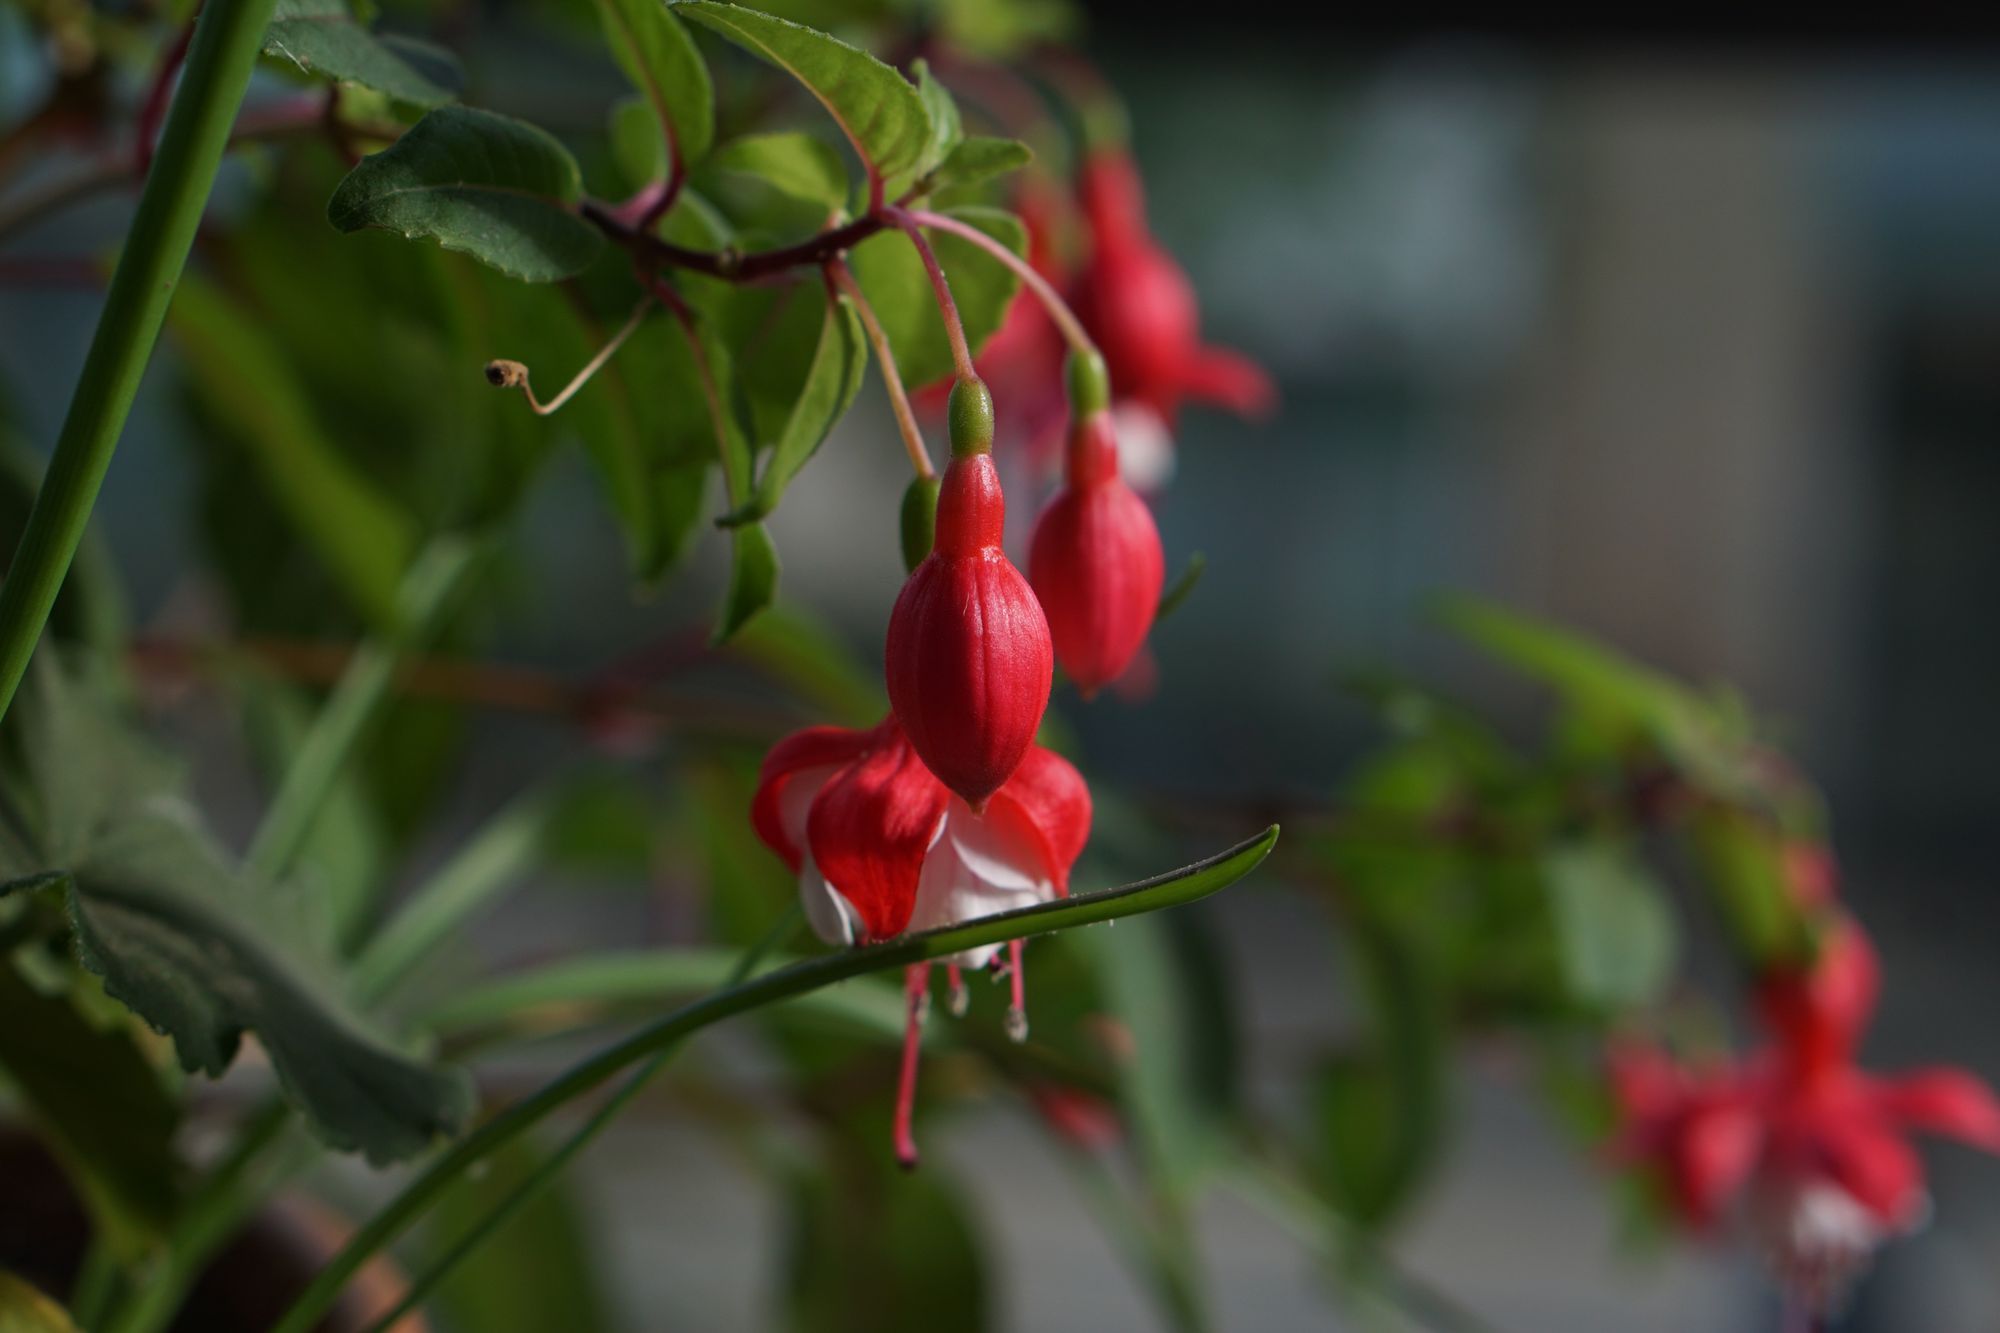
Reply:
x=954, y=328
x=153, y=109
x=916, y=991
x=839, y=275
x=1065, y=318
x=733, y=266
x=954, y=982
x=1018, y=976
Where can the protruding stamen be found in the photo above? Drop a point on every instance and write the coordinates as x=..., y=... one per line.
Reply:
x=1017, y=1008
x=917, y=992
x=957, y=998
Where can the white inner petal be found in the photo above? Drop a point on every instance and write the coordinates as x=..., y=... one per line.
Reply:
x=827, y=910
x=977, y=867
x=1145, y=448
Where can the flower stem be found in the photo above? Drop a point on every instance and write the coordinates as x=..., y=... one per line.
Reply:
x=514, y=375
x=227, y=37
x=954, y=328
x=663, y=1034
x=1059, y=311
x=917, y=1003
x=899, y=400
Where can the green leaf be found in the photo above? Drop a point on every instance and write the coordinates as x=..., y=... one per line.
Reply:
x=536, y=1273
x=876, y=108
x=946, y=132
x=23, y=1309
x=100, y=1106
x=363, y=539
x=1612, y=922
x=979, y=158
x=753, y=578
x=792, y=163
x=831, y=382
x=321, y=37
x=497, y=189
x=181, y=939
x=637, y=146
x=659, y=57
x=873, y=1250
x=893, y=279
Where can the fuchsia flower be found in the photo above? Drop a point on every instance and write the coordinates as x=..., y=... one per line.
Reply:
x=968, y=658
x=880, y=846
x=1817, y=1148
x=1095, y=560
x=1141, y=310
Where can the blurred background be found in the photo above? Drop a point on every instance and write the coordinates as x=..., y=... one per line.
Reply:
x=1692, y=345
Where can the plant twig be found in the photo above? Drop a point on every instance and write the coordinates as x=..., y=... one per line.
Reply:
x=954, y=327
x=1065, y=319
x=514, y=375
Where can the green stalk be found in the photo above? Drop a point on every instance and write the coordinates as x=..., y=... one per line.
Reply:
x=1181, y=886
x=436, y=574
x=226, y=41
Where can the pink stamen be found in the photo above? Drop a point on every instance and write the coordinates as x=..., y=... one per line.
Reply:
x=957, y=997
x=1017, y=1011
x=916, y=989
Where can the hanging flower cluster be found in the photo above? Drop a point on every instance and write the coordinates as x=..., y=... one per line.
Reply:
x=1807, y=1149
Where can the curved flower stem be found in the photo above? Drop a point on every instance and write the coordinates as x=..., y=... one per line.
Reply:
x=899, y=400
x=438, y=572
x=1182, y=886
x=514, y=375
x=1059, y=311
x=954, y=328
x=227, y=37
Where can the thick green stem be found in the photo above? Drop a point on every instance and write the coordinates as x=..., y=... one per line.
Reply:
x=226, y=41
x=1182, y=886
x=355, y=703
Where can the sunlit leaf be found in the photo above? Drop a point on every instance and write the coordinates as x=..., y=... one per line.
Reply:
x=660, y=58
x=978, y=158
x=892, y=277
x=831, y=381
x=497, y=189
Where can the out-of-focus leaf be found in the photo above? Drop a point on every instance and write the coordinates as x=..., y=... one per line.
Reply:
x=893, y=279
x=807, y=658
x=831, y=382
x=660, y=58
x=497, y=189
x=176, y=935
x=1744, y=868
x=638, y=148
x=1182, y=587
x=1379, y=1107
x=876, y=108
x=753, y=578
x=1164, y=982
x=946, y=132
x=979, y=158
x=99, y=1105
x=872, y=1250
x=1614, y=925
x=792, y=163
x=362, y=538
x=23, y=1309
x=538, y=1272
x=321, y=37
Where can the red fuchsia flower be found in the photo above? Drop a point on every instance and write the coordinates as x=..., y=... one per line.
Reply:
x=880, y=846
x=968, y=659
x=1095, y=560
x=1818, y=1149
x=1141, y=310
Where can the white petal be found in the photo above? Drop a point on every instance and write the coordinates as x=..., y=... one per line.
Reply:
x=828, y=912
x=979, y=867
x=1145, y=448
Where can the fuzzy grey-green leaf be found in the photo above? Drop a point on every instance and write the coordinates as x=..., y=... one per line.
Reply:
x=498, y=189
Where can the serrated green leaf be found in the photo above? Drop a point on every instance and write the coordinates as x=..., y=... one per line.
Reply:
x=753, y=578
x=498, y=189
x=99, y=1105
x=321, y=37
x=660, y=58
x=24, y=1309
x=946, y=132
x=876, y=108
x=1612, y=922
x=360, y=536
x=893, y=279
x=832, y=380
x=980, y=158
x=792, y=163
